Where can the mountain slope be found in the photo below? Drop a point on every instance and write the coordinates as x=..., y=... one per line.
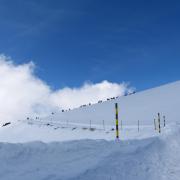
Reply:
x=32, y=148
x=142, y=106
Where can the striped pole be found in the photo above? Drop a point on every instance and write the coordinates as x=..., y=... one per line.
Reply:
x=117, y=123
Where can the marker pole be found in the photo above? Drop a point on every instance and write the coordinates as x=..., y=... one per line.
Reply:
x=117, y=123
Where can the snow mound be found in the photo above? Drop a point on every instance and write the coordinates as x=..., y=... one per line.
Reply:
x=155, y=158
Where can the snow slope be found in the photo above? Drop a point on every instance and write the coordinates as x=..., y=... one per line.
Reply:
x=155, y=158
x=75, y=124
x=142, y=106
x=65, y=146
x=22, y=132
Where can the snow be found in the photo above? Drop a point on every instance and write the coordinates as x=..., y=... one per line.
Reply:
x=152, y=158
x=65, y=146
x=142, y=106
x=22, y=132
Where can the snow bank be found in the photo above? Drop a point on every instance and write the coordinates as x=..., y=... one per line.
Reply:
x=156, y=158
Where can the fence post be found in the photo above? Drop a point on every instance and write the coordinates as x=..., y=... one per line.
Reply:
x=90, y=124
x=117, y=123
x=164, y=117
x=159, y=122
x=155, y=124
x=103, y=125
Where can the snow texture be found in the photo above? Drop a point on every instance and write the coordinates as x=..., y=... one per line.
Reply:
x=142, y=106
x=65, y=146
x=155, y=158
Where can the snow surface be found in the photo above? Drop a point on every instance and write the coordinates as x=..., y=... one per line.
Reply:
x=155, y=158
x=142, y=106
x=22, y=132
x=66, y=146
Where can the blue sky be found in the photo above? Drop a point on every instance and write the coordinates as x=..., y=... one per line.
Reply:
x=76, y=41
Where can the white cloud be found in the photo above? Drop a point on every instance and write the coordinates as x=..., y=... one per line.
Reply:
x=88, y=93
x=23, y=94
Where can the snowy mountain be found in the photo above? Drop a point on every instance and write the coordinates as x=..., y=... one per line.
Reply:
x=142, y=106
x=80, y=143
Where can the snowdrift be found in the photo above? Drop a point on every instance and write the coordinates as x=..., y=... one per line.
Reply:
x=156, y=158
